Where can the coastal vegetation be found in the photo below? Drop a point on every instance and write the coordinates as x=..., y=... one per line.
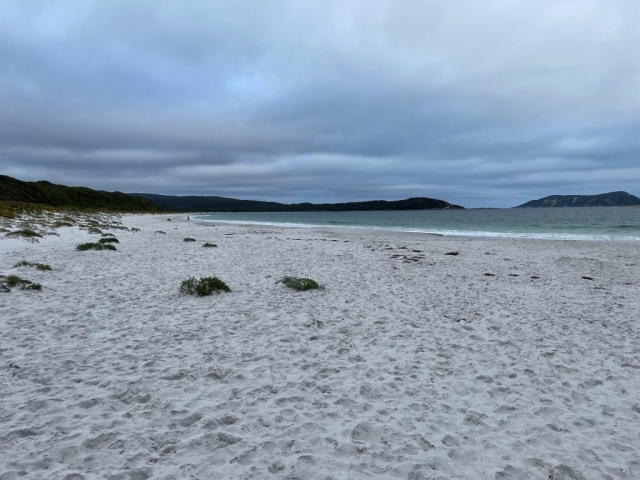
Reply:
x=301, y=284
x=189, y=239
x=203, y=286
x=10, y=281
x=109, y=240
x=94, y=246
x=210, y=245
x=17, y=195
x=40, y=266
x=24, y=232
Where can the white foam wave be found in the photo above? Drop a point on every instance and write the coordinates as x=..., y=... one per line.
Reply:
x=443, y=232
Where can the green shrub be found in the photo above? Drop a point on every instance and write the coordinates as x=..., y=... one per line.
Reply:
x=109, y=240
x=94, y=230
x=94, y=246
x=301, y=284
x=189, y=239
x=59, y=224
x=134, y=229
x=39, y=266
x=25, y=232
x=203, y=286
x=7, y=283
x=209, y=245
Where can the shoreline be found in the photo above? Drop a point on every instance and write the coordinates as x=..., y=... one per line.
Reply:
x=392, y=232
x=510, y=359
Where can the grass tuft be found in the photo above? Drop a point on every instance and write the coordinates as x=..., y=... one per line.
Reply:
x=203, y=286
x=25, y=232
x=160, y=231
x=40, y=266
x=301, y=284
x=94, y=230
x=209, y=245
x=108, y=240
x=10, y=281
x=134, y=229
x=94, y=246
x=189, y=239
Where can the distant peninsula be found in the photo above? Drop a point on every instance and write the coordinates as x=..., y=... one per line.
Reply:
x=223, y=204
x=613, y=199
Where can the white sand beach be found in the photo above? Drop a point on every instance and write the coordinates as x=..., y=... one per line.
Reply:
x=409, y=364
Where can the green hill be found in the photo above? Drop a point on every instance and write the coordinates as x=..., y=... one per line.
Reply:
x=46, y=193
x=612, y=199
x=222, y=204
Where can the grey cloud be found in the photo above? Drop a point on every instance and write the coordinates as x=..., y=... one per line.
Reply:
x=482, y=104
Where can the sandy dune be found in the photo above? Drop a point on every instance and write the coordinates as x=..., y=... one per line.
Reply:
x=410, y=364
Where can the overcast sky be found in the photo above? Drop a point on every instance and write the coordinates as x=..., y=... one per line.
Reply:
x=479, y=103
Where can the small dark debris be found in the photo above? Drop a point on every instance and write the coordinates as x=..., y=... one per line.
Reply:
x=586, y=277
x=13, y=365
x=514, y=275
x=535, y=278
x=453, y=253
x=489, y=275
x=417, y=251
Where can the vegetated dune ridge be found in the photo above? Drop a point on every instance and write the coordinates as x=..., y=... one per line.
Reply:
x=408, y=365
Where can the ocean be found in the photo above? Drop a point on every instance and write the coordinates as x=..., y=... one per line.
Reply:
x=587, y=223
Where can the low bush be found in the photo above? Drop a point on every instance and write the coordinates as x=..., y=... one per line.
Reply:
x=301, y=284
x=94, y=231
x=109, y=240
x=134, y=229
x=39, y=266
x=25, y=232
x=8, y=282
x=62, y=224
x=189, y=239
x=209, y=245
x=203, y=286
x=94, y=246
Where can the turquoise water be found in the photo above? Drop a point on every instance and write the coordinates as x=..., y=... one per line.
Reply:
x=587, y=223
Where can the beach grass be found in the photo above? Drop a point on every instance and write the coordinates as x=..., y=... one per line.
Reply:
x=209, y=245
x=301, y=284
x=189, y=239
x=94, y=246
x=203, y=286
x=10, y=281
x=108, y=240
x=40, y=266
x=25, y=232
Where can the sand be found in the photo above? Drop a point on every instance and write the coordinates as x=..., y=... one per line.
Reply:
x=409, y=364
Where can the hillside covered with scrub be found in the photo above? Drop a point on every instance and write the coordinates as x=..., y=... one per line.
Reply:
x=48, y=194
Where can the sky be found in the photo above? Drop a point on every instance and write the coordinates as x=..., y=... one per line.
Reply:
x=482, y=104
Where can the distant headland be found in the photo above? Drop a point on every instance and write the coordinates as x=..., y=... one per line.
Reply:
x=612, y=199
